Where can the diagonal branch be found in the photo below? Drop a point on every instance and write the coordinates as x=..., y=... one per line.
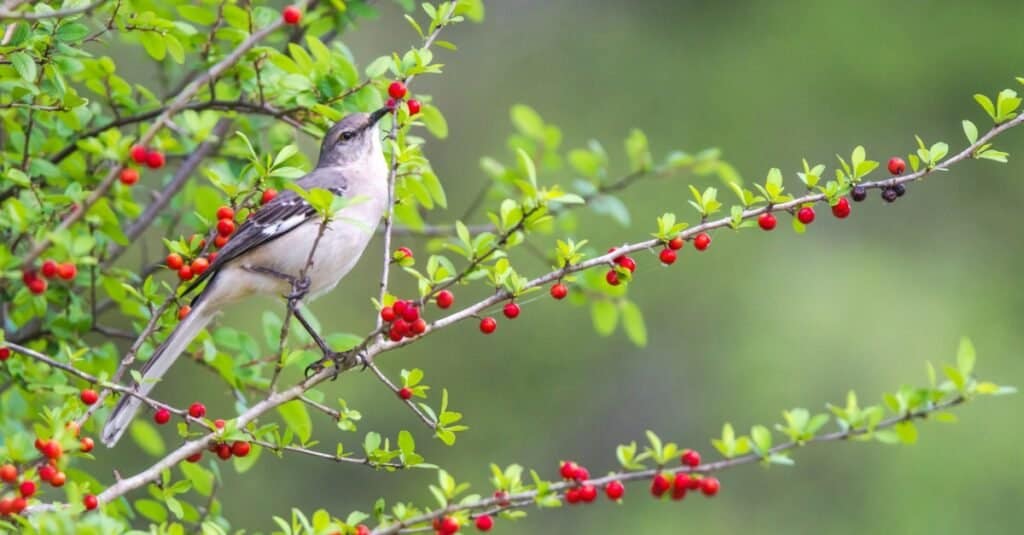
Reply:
x=10, y=15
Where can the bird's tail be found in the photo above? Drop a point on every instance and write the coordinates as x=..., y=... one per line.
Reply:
x=155, y=368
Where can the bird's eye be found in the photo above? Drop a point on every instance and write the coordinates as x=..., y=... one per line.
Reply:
x=347, y=135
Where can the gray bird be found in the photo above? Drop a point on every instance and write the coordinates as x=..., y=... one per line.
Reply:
x=269, y=250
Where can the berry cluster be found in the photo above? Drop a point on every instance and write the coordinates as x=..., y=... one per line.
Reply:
x=153, y=159
x=225, y=227
x=682, y=482
x=405, y=320
x=36, y=280
x=396, y=92
x=49, y=471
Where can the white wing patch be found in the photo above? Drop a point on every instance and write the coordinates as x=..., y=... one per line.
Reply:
x=284, y=225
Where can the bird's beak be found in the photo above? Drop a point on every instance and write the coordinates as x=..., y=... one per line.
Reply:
x=379, y=114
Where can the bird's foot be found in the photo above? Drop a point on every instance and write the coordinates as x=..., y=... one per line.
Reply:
x=339, y=360
x=300, y=287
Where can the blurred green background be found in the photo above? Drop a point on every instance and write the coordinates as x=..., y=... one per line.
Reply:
x=759, y=323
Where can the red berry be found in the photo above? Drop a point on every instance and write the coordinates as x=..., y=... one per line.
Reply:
x=199, y=265
x=581, y=474
x=897, y=166
x=37, y=286
x=5, y=353
x=659, y=484
x=387, y=314
x=681, y=482
x=676, y=243
x=139, y=154
x=89, y=396
x=414, y=106
x=411, y=314
x=27, y=489
x=18, y=505
x=185, y=273
x=627, y=263
x=361, y=529
x=155, y=160
x=90, y=502
x=449, y=526
x=240, y=448
x=162, y=416
x=46, y=472
x=223, y=451
x=49, y=269
x=588, y=493
x=225, y=227
x=693, y=483
x=502, y=498
x=614, y=490
x=400, y=307
x=6, y=507
x=174, y=261
x=405, y=392
x=445, y=299
x=511, y=311
x=391, y=104
x=709, y=486
x=291, y=15
x=86, y=445
x=195, y=457
x=395, y=334
x=218, y=242
x=52, y=449
x=405, y=252
x=418, y=327
x=67, y=271
x=702, y=241
x=612, y=277
x=568, y=470
x=805, y=215
x=219, y=423
x=690, y=458
x=59, y=479
x=767, y=221
x=484, y=523
x=225, y=212
x=401, y=326
x=842, y=208
x=8, y=473
x=488, y=325
x=268, y=195
x=572, y=495
x=667, y=257
x=559, y=291
x=129, y=176
x=197, y=410
x=396, y=90
x=183, y=312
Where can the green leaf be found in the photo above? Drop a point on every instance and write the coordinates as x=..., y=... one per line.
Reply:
x=24, y=64
x=527, y=121
x=965, y=357
x=296, y=417
x=72, y=31
x=906, y=431
x=633, y=323
x=154, y=45
x=201, y=478
x=378, y=66
x=197, y=14
x=605, y=316
x=146, y=436
x=986, y=104
x=434, y=121
x=970, y=131
x=151, y=509
x=526, y=163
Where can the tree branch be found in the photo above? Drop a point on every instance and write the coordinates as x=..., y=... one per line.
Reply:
x=10, y=15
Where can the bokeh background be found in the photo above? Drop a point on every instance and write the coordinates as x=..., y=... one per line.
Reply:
x=761, y=322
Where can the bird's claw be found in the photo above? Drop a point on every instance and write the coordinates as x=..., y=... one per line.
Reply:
x=339, y=360
x=300, y=287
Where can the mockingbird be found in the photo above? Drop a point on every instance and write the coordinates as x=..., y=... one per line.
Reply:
x=269, y=251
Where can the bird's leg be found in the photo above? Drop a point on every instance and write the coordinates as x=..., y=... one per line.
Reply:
x=312, y=332
x=341, y=361
x=300, y=286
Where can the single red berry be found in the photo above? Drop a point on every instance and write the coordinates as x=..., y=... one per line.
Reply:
x=627, y=263
x=667, y=256
x=361, y=529
x=767, y=221
x=572, y=496
x=90, y=502
x=488, y=325
x=414, y=106
x=511, y=311
x=502, y=498
x=693, y=483
x=199, y=265
x=162, y=416
x=568, y=469
x=268, y=195
x=400, y=307
x=6, y=507
x=709, y=486
x=197, y=410
x=449, y=526
x=805, y=215
x=676, y=243
x=405, y=392
x=18, y=505
x=395, y=334
x=183, y=312
x=29, y=275
x=681, y=482
x=612, y=277
x=27, y=489
x=897, y=166
x=223, y=451
x=559, y=291
x=155, y=159
x=690, y=458
x=219, y=423
x=405, y=251
x=240, y=448
x=219, y=242
x=46, y=472
x=37, y=286
x=67, y=271
x=702, y=241
x=225, y=212
x=401, y=326
x=614, y=490
x=397, y=90
x=418, y=327
x=391, y=104
x=581, y=474
x=52, y=449
x=174, y=261
x=86, y=445
x=842, y=208
x=484, y=522
x=225, y=227
x=139, y=154
x=678, y=493
x=59, y=479
x=8, y=473
x=445, y=299
x=185, y=273
x=89, y=396
x=588, y=493
x=5, y=353
x=291, y=15
x=659, y=484
x=40, y=444
x=387, y=314
x=129, y=176
x=195, y=457
x=411, y=314
x=49, y=269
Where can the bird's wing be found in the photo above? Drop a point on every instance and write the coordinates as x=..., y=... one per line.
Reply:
x=284, y=213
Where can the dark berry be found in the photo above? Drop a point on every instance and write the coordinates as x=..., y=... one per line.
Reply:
x=889, y=195
x=859, y=193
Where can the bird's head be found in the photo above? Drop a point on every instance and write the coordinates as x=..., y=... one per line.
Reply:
x=352, y=139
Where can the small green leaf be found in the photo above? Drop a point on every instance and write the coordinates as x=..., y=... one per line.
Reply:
x=296, y=417
x=146, y=436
